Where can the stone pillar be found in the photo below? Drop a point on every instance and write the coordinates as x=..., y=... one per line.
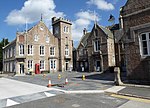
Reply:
x=117, y=76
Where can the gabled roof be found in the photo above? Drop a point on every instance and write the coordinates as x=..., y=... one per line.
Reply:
x=83, y=40
x=106, y=31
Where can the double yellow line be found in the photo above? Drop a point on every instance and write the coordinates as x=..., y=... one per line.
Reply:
x=131, y=98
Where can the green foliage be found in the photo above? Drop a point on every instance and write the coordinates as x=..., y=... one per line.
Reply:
x=3, y=43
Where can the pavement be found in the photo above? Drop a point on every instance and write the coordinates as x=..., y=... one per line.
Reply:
x=28, y=88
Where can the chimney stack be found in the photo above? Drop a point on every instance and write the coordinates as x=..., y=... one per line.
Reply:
x=84, y=31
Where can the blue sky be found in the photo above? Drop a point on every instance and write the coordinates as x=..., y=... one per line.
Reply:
x=15, y=13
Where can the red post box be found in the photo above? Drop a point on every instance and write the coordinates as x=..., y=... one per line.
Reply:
x=37, y=68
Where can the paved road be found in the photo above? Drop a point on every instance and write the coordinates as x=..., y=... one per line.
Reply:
x=31, y=92
x=75, y=101
x=93, y=80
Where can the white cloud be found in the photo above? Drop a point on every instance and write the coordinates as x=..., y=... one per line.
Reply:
x=84, y=20
x=101, y=4
x=31, y=12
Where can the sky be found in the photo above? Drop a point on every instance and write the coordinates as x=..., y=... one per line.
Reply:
x=15, y=14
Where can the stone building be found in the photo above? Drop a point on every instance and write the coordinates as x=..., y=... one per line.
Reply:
x=135, y=22
x=38, y=46
x=96, y=50
x=82, y=53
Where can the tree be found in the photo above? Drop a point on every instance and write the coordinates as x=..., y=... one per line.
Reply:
x=3, y=43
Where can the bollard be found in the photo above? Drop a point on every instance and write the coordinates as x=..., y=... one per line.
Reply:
x=83, y=77
x=117, y=76
x=59, y=76
x=44, y=75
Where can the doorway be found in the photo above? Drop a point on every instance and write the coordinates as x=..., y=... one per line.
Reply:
x=67, y=65
x=21, y=68
x=98, y=66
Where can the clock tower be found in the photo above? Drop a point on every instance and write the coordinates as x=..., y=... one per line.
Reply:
x=62, y=30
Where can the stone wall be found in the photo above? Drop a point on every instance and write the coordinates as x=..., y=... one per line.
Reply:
x=136, y=18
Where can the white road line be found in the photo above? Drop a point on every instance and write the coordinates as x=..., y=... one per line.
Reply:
x=49, y=94
x=11, y=102
x=84, y=91
x=114, y=89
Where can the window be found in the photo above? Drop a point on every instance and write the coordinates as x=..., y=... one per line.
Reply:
x=96, y=46
x=56, y=30
x=42, y=28
x=30, y=49
x=11, y=51
x=47, y=39
x=66, y=29
x=14, y=51
x=21, y=49
x=35, y=37
x=52, y=64
x=8, y=53
x=30, y=64
x=42, y=65
x=96, y=32
x=80, y=52
x=5, y=54
x=145, y=44
x=41, y=50
x=66, y=50
x=52, y=51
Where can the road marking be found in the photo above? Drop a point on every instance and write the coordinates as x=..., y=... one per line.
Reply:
x=131, y=98
x=49, y=94
x=114, y=89
x=11, y=102
x=84, y=91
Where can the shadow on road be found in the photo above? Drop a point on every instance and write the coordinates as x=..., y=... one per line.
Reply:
x=107, y=76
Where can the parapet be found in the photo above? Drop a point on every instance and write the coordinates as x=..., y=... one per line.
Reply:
x=60, y=19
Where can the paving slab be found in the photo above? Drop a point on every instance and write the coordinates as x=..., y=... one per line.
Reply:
x=135, y=104
x=12, y=88
x=140, y=92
